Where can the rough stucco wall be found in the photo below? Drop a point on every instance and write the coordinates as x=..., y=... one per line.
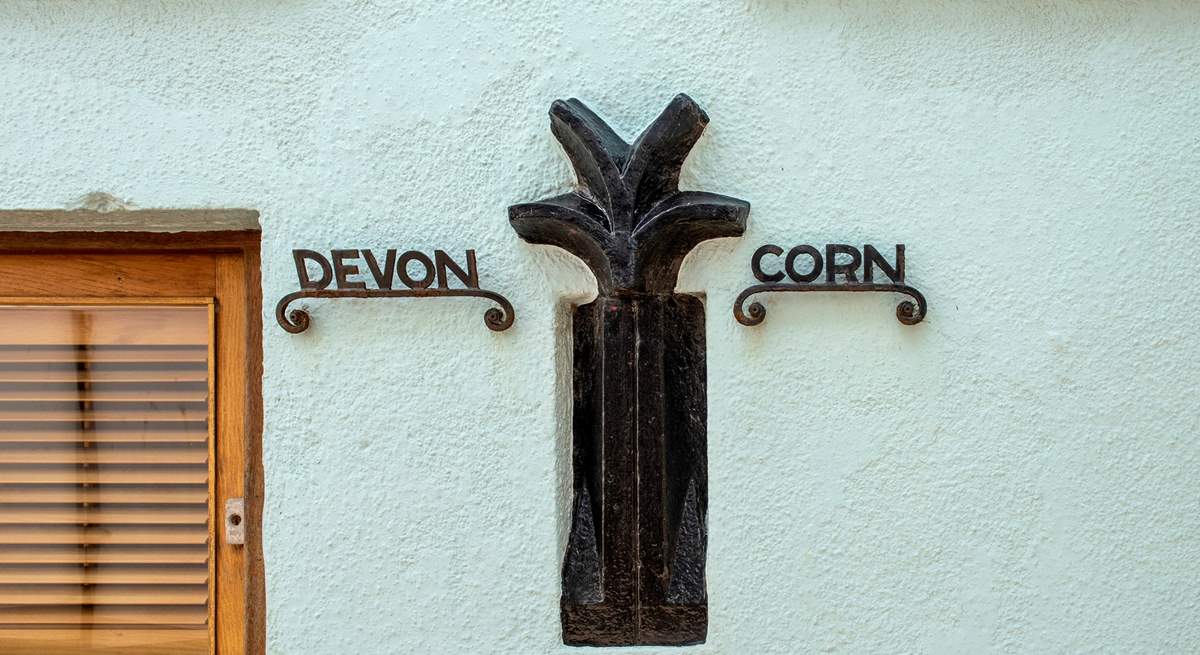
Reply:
x=1016, y=475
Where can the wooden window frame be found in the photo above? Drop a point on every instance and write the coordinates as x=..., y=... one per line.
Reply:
x=233, y=238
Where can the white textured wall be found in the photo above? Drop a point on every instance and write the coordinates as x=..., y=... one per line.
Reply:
x=1020, y=474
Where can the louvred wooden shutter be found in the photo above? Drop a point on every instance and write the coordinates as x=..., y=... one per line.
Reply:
x=106, y=477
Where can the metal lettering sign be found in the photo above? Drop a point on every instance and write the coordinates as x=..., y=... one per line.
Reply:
x=342, y=265
x=809, y=270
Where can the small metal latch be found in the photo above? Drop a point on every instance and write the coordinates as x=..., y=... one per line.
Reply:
x=235, y=521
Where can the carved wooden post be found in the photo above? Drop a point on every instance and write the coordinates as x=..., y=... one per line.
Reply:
x=633, y=572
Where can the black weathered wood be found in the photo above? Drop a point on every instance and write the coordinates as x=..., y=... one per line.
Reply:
x=633, y=572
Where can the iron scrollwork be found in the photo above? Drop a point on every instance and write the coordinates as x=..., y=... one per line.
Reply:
x=908, y=312
x=296, y=321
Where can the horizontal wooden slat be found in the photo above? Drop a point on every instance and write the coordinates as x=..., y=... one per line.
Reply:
x=32, y=412
x=30, y=474
x=131, y=515
x=89, y=575
x=103, y=554
x=91, y=641
x=116, y=534
x=99, y=374
x=180, y=615
x=41, y=454
x=92, y=575
x=22, y=594
x=103, y=433
x=103, y=393
x=102, y=326
x=107, y=494
x=101, y=354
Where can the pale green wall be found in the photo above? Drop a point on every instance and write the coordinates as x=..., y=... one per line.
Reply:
x=1016, y=475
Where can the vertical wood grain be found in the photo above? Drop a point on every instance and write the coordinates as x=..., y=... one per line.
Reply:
x=255, y=574
x=231, y=447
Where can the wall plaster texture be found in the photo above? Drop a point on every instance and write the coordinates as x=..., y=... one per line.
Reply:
x=1016, y=475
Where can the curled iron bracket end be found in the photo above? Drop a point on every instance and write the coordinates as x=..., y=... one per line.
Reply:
x=297, y=320
x=907, y=312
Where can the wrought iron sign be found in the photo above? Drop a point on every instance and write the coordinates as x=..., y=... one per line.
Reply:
x=633, y=572
x=809, y=270
x=342, y=265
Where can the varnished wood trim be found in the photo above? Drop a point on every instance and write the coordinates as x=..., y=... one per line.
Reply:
x=232, y=444
x=256, y=587
x=105, y=300
x=128, y=242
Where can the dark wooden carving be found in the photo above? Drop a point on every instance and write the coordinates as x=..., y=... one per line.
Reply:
x=633, y=572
